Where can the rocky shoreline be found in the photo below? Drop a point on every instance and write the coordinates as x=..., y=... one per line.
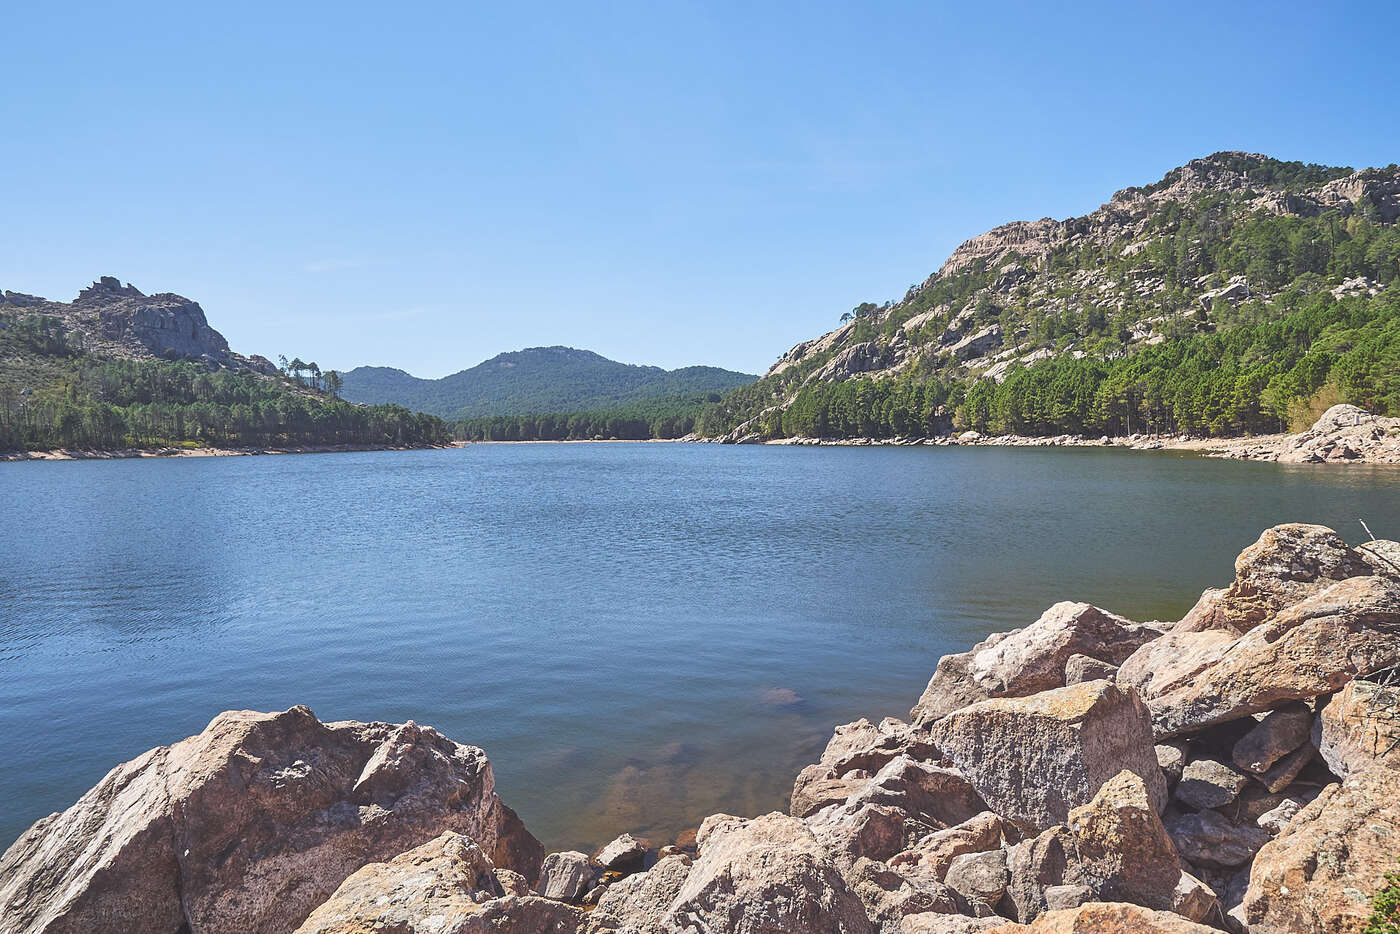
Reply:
x=1238, y=770
x=1344, y=434
x=125, y=453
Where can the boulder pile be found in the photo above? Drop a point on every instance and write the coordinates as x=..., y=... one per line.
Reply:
x=1238, y=770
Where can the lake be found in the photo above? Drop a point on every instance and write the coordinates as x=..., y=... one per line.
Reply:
x=638, y=634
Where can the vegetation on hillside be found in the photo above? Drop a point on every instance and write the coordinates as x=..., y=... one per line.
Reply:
x=664, y=418
x=537, y=380
x=53, y=395
x=1385, y=908
x=1258, y=362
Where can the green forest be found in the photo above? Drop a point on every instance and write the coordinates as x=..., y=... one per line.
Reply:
x=1259, y=366
x=74, y=400
x=666, y=417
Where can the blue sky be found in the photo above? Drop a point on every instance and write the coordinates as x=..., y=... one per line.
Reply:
x=425, y=185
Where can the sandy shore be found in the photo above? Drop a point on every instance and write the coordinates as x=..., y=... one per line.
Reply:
x=75, y=454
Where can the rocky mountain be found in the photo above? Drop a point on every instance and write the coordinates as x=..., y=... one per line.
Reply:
x=1235, y=770
x=112, y=320
x=535, y=380
x=1228, y=240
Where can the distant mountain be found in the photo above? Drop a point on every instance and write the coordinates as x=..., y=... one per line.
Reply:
x=535, y=380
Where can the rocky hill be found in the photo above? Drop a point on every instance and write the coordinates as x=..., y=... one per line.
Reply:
x=1237, y=770
x=1231, y=242
x=534, y=381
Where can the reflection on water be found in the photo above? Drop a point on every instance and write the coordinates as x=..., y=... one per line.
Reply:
x=638, y=635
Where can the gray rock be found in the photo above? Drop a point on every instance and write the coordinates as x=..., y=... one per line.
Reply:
x=1083, y=668
x=1171, y=758
x=1209, y=783
x=1281, y=775
x=1208, y=838
x=624, y=853
x=566, y=876
x=1032, y=759
x=1060, y=897
x=1279, y=733
x=980, y=878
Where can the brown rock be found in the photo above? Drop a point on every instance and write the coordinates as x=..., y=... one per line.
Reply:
x=1032, y=759
x=250, y=825
x=932, y=855
x=766, y=874
x=851, y=831
x=1281, y=775
x=1279, y=733
x=939, y=923
x=1193, y=680
x=626, y=853
x=938, y=795
x=890, y=896
x=1320, y=872
x=1037, y=866
x=1083, y=668
x=980, y=878
x=854, y=751
x=1027, y=661
x=445, y=886
x=1360, y=728
x=1288, y=564
x=1171, y=759
x=1123, y=850
x=640, y=901
x=1107, y=918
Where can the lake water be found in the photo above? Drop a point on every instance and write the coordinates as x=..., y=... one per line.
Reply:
x=638, y=634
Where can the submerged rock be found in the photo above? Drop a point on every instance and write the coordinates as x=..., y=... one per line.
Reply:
x=250, y=825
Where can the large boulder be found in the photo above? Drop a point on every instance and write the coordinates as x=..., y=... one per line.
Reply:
x=768, y=875
x=1033, y=759
x=1026, y=661
x=1192, y=680
x=250, y=825
x=1288, y=564
x=1107, y=918
x=566, y=876
x=1321, y=871
x=1123, y=850
x=639, y=902
x=1360, y=728
x=445, y=886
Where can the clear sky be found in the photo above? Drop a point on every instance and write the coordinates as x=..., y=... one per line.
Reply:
x=425, y=185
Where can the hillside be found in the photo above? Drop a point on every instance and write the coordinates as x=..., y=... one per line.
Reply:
x=1238, y=294
x=533, y=381
x=117, y=368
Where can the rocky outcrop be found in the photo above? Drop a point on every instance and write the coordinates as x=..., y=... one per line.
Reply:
x=1027, y=661
x=1318, y=874
x=1344, y=434
x=445, y=886
x=250, y=825
x=1033, y=759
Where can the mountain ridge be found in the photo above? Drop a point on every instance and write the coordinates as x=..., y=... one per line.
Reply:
x=536, y=380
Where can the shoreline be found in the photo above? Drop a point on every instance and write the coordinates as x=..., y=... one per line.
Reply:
x=82, y=454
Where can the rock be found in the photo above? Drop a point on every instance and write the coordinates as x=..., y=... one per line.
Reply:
x=890, y=896
x=1083, y=668
x=1060, y=897
x=937, y=795
x=1279, y=816
x=1278, y=734
x=512, y=883
x=639, y=902
x=1123, y=850
x=1208, y=838
x=766, y=874
x=1360, y=728
x=566, y=876
x=939, y=923
x=1192, y=680
x=851, y=831
x=1383, y=556
x=1107, y=918
x=625, y=854
x=1038, y=865
x=932, y=855
x=1281, y=775
x=445, y=886
x=1208, y=783
x=250, y=825
x=1196, y=901
x=1171, y=759
x=1025, y=661
x=1288, y=564
x=980, y=878
x=854, y=750
x=1032, y=759
x=1320, y=872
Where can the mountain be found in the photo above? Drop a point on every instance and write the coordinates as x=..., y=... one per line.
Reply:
x=1238, y=294
x=536, y=380
x=118, y=368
